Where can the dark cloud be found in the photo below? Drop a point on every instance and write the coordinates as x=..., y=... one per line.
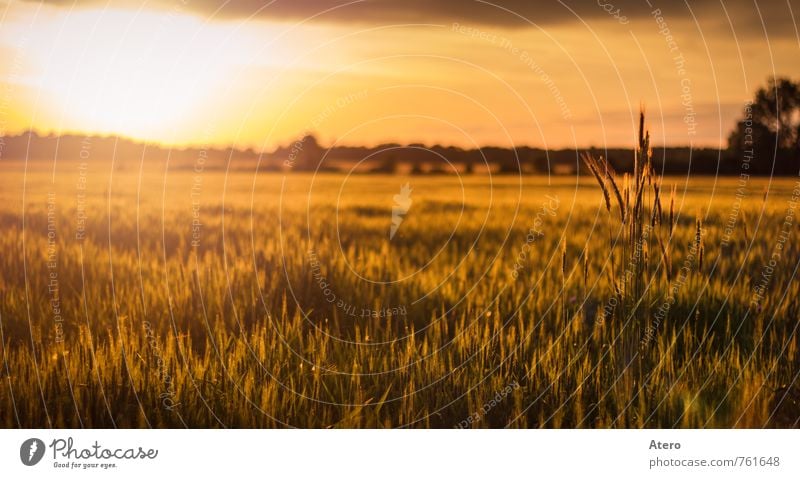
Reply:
x=777, y=14
x=505, y=12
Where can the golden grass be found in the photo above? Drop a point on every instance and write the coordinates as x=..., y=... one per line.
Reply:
x=238, y=332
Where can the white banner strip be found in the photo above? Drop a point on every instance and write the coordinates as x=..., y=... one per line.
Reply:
x=399, y=453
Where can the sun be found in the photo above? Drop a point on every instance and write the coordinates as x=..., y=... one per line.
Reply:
x=136, y=73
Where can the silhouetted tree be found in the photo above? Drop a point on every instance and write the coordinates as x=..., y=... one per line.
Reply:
x=770, y=128
x=388, y=165
x=307, y=153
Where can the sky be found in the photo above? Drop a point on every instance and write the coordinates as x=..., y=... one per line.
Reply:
x=259, y=74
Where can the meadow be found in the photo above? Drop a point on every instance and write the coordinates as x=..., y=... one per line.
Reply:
x=151, y=297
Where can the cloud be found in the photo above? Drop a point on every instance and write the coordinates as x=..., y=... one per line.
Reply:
x=778, y=15
x=500, y=12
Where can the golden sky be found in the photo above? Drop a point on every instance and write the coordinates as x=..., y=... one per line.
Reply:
x=259, y=74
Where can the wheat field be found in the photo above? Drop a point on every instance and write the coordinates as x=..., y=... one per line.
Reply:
x=211, y=298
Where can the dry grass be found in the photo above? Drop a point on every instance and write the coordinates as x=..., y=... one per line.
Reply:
x=238, y=332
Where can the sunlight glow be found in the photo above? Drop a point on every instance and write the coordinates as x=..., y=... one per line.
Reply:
x=136, y=73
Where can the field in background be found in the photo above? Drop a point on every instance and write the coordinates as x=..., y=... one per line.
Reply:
x=201, y=299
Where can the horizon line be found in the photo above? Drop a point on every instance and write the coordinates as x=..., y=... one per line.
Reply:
x=249, y=148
